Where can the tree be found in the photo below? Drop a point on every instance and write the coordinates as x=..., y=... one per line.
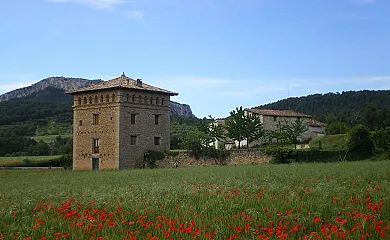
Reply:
x=196, y=142
x=382, y=139
x=360, y=144
x=337, y=128
x=253, y=128
x=293, y=130
x=235, y=125
x=241, y=126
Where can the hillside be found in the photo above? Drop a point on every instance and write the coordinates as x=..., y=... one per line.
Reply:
x=351, y=107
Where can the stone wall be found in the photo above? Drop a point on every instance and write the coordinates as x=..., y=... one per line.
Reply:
x=237, y=157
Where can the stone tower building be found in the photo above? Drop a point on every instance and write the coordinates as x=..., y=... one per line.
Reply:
x=117, y=121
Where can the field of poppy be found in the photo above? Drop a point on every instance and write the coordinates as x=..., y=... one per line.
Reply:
x=299, y=201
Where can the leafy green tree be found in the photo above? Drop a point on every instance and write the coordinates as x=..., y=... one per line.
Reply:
x=382, y=139
x=235, y=125
x=253, y=128
x=293, y=130
x=196, y=142
x=360, y=144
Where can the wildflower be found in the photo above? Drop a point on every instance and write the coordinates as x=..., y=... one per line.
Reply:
x=317, y=220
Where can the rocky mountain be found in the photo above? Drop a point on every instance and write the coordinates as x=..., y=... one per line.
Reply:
x=53, y=89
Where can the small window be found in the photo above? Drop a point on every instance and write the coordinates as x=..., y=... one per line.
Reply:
x=85, y=100
x=127, y=97
x=145, y=99
x=81, y=123
x=113, y=98
x=133, y=140
x=275, y=118
x=132, y=118
x=162, y=101
x=95, y=119
x=101, y=98
x=90, y=100
x=133, y=98
x=156, y=118
x=139, y=99
x=79, y=101
x=107, y=98
x=157, y=140
x=96, y=146
x=157, y=101
x=96, y=99
x=151, y=100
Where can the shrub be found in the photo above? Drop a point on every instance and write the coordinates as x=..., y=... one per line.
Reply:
x=151, y=157
x=283, y=156
x=360, y=144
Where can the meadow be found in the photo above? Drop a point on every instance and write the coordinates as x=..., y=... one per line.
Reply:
x=349, y=200
x=15, y=160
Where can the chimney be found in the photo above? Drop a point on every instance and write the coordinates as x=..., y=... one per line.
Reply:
x=139, y=82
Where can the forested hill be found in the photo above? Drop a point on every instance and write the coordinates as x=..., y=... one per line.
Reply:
x=351, y=107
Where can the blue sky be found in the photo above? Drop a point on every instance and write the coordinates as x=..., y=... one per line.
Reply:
x=217, y=54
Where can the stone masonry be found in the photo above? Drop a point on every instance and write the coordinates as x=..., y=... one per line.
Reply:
x=117, y=121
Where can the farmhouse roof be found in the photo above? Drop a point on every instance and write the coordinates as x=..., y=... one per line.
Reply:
x=123, y=82
x=315, y=123
x=278, y=113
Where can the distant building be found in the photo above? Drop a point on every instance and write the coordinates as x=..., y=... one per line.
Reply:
x=116, y=122
x=272, y=120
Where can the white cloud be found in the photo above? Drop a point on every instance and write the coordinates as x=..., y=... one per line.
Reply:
x=365, y=1
x=98, y=4
x=135, y=15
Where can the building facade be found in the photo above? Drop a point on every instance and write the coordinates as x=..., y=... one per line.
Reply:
x=117, y=121
x=272, y=121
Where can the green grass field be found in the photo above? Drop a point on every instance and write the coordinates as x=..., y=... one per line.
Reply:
x=330, y=142
x=298, y=201
x=49, y=138
x=7, y=160
x=313, y=201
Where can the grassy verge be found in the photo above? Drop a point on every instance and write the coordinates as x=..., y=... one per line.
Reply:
x=330, y=142
x=297, y=201
x=19, y=159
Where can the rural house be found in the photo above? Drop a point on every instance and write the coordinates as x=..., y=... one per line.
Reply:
x=117, y=121
x=272, y=120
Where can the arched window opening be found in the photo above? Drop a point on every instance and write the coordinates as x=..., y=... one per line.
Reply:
x=79, y=101
x=139, y=99
x=85, y=100
x=90, y=99
x=162, y=101
x=151, y=100
x=101, y=98
x=107, y=98
x=96, y=99
x=145, y=99
x=157, y=101
x=113, y=97
x=133, y=98
x=127, y=97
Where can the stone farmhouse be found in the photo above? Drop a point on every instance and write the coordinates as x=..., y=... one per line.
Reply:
x=117, y=121
x=272, y=119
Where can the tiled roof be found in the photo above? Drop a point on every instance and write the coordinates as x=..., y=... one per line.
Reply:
x=315, y=123
x=123, y=82
x=278, y=113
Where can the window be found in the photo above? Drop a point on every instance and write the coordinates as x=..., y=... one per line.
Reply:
x=96, y=99
x=81, y=123
x=85, y=100
x=151, y=100
x=133, y=140
x=79, y=101
x=157, y=101
x=275, y=118
x=157, y=140
x=162, y=101
x=133, y=98
x=90, y=100
x=145, y=99
x=139, y=99
x=107, y=98
x=101, y=98
x=95, y=119
x=156, y=117
x=127, y=97
x=96, y=146
x=132, y=118
x=113, y=97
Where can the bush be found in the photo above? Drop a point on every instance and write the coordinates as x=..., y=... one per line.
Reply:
x=151, y=157
x=360, y=144
x=283, y=156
